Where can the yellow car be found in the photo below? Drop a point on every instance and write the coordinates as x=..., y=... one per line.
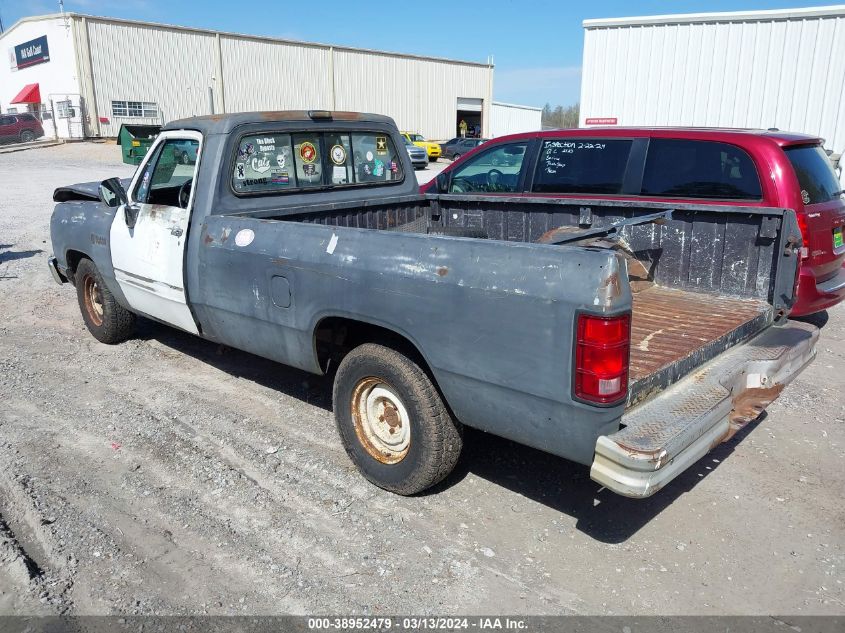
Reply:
x=432, y=149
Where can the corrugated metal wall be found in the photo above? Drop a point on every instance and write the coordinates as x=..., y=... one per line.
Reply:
x=174, y=67
x=761, y=72
x=169, y=67
x=507, y=118
x=420, y=95
x=265, y=75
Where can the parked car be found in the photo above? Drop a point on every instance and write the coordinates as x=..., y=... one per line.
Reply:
x=302, y=238
x=418, y=155
x=23, y=127
x=713, y=167
x=461, y=146
x=431, y=148
x=185, y=152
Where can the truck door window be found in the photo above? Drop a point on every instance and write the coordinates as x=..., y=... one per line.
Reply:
x=264, y=163
x=165, y=173
x=582, y=165
x=699, y=169
x=494, y=171
x=374, y=158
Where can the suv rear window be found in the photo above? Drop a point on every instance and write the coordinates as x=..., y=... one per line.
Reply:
x=699, y=169
x=276, y=163
x=815, y=173
x=582, y=165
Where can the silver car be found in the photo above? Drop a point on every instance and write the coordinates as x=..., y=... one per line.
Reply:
x=418, y=155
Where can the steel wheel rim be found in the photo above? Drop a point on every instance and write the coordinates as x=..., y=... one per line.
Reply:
x=93, y=299
x=381, y=420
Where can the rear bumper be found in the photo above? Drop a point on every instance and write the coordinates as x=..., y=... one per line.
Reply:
x=669, y=433
x=815, y=296
x=58, y=275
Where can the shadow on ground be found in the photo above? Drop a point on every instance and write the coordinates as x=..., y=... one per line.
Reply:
x=555, y=482
x=10, y=256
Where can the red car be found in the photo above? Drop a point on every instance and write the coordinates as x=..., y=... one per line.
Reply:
x=754, y=168
x=23, y=127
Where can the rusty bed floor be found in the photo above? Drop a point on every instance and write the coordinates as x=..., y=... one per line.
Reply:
x=675, y=331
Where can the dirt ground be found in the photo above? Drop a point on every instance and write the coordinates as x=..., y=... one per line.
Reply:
x=168, y=475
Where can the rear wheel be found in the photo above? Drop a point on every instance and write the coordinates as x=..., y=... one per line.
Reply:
x=27, y=136
x=392, y=421
x=105, y=318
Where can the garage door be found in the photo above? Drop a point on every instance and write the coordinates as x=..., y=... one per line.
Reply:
x=470, y=105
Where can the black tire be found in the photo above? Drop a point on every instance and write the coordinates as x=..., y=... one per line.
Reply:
x=456, y=157
x=105, y=318
x=27, y=136
x=435, y=437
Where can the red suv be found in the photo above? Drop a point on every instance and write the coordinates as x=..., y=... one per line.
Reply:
x=24, y=127
x=698, y=166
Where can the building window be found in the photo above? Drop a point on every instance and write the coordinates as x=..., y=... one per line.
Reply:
x=63, y=109
x=134, y=109
x=11, y=111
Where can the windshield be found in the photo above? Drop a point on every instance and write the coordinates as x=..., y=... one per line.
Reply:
x=407, y=142
x=416, y=137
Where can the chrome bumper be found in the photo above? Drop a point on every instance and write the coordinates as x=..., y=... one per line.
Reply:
x=53, y=265
x=669, y=433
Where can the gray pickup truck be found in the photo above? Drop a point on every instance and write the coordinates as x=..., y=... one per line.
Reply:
x=632, y=338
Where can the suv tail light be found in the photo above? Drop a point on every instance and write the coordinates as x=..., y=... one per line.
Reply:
x=801, y=216
x=602, y=347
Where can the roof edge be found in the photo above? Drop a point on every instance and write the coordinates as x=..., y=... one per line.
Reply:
x=516, y=105
x=725, y=16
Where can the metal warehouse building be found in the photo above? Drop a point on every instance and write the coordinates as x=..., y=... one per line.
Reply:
x=88, y=75
x=761, y=69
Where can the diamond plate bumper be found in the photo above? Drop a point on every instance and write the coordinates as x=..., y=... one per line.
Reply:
x=667, y=434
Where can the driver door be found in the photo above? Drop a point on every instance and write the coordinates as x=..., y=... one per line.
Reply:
x=148, y=257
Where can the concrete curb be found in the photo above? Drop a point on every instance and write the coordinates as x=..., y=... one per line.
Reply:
x=22, y=147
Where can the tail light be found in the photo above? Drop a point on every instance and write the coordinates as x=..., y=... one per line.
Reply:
x=602, y=348
x=801, y=216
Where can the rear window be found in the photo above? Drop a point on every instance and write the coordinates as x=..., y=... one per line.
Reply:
x=276, y=163
x=582, y=166
x=815, y=173
x=699, y=169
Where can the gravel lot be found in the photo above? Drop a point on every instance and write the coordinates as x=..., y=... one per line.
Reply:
x=169, y=475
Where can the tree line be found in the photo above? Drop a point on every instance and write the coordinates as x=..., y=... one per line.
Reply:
x=560, y=116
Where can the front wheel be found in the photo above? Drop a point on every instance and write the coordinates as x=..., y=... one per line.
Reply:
x=456, y=157
x=392, y=421
x=107, y=320
x=27, y=136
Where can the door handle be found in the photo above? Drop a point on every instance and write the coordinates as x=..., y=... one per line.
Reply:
x=176, y=231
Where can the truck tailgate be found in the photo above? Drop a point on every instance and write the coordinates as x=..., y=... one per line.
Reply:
x=664, y=436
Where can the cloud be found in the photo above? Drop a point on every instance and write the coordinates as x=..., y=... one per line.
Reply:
x=538, y=86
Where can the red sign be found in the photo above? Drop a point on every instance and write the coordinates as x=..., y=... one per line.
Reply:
x=104, y=119
x=606, y=120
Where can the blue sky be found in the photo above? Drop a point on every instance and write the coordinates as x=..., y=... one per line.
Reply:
x=536, y=46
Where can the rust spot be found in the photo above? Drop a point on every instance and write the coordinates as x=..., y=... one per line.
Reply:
x=208, y=239
x=748, y=405
x=442, y=271
x=281, y=261
x=561, y=231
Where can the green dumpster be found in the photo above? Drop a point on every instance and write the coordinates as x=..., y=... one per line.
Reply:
x=135, y=141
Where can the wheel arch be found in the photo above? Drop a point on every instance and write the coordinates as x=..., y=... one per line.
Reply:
x=335, y=335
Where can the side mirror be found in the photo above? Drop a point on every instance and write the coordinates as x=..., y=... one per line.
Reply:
x=112, y=193
x=442, y=183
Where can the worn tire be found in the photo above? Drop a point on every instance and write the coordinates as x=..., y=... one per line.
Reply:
x=27, y=136
x=105, y=318
x=435, y=437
